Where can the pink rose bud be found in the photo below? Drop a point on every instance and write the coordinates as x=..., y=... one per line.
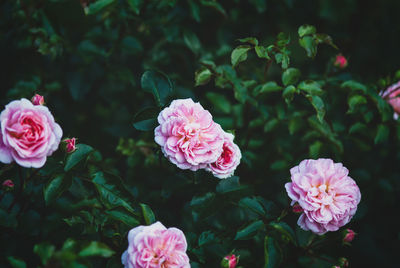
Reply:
x=391, y=96
x=348, y=235
x=343, y=262
x=230, y=261
x=70, y=146
x=37, y=100
x=8, y=184
x=340, y=61
x=297, y=208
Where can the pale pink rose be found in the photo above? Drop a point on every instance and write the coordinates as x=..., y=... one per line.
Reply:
x=28, y=134
x=229, y=159
x=328, y=196
x=391, y=95
x=155, y=246
x=37, y=100
x=340, y=61
x=188, y=136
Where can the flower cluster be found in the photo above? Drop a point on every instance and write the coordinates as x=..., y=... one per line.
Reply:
x=155, y=246
x=325, y=192
x=190, y=139
x=28, y=133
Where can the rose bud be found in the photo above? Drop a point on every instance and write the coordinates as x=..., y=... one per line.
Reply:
x=297, y=208
x=70, y=146
x=230, y=261
x=340, y=61
x=37, y=99
x=8, y=185
x=343, y=262
x=348, y=236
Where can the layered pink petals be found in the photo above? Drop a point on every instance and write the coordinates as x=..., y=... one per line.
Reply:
x=325, y=192
x=391, y=95
x=155, y=246
x=227, y=162
x=188, y=136
x=28, y=134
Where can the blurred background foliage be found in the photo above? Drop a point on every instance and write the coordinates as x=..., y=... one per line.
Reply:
x=97, y=63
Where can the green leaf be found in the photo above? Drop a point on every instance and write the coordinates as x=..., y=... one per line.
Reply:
x=239, y=54
x=219, y=101
x=45, y=251
x=146, y=125
x=148, y=214
x=122, y=216
x=355, y=101
x=97, y=6
x=112, y=191
x=217, y=6
x=262, y=52
x=81, y=153
x=382, y=134
x=202, y=76
x=288, y=93
x=290, y=76
x=135, y=5
x=319, y=106
x=272, y=254
x=285, y=230
x=158, y=84
x=192, y=41
x=270, y=86
x=96, y=248
x=206, y=238
x=250, y=40
x=306, y=30
x=271, y=124
x=230, y=184
x=324, y=38
x=358, y=128
x=16, y=263
x=309, y=44
x=354, y=85
x=314, y=149
x=311, y=87
x=249, y=231
x=55, y=188
x=252, y=204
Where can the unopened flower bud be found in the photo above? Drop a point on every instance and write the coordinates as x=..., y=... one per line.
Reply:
x=340, y=61
x=8, y=185
x=70, y=146
x=348, y=235
x=230, y=261
x=297, y=208
x=38, y=99
x=343, y=262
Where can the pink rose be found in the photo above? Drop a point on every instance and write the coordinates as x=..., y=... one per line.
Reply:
x=8, y=184
x=391, y=95
x=229, y=159
x=37, y=100
x=188, y=136
x=28, y=134
x=230, y=261
x=340, y=61
x=328, y=196
x=70, y=145
x=348, y=235
x=155, y=246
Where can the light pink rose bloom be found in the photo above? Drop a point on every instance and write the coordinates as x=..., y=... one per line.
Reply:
x=328, y=196
x=28, y=134
x=155, y=246
x=188, y=136
x=229, y=159
x=391, y=95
